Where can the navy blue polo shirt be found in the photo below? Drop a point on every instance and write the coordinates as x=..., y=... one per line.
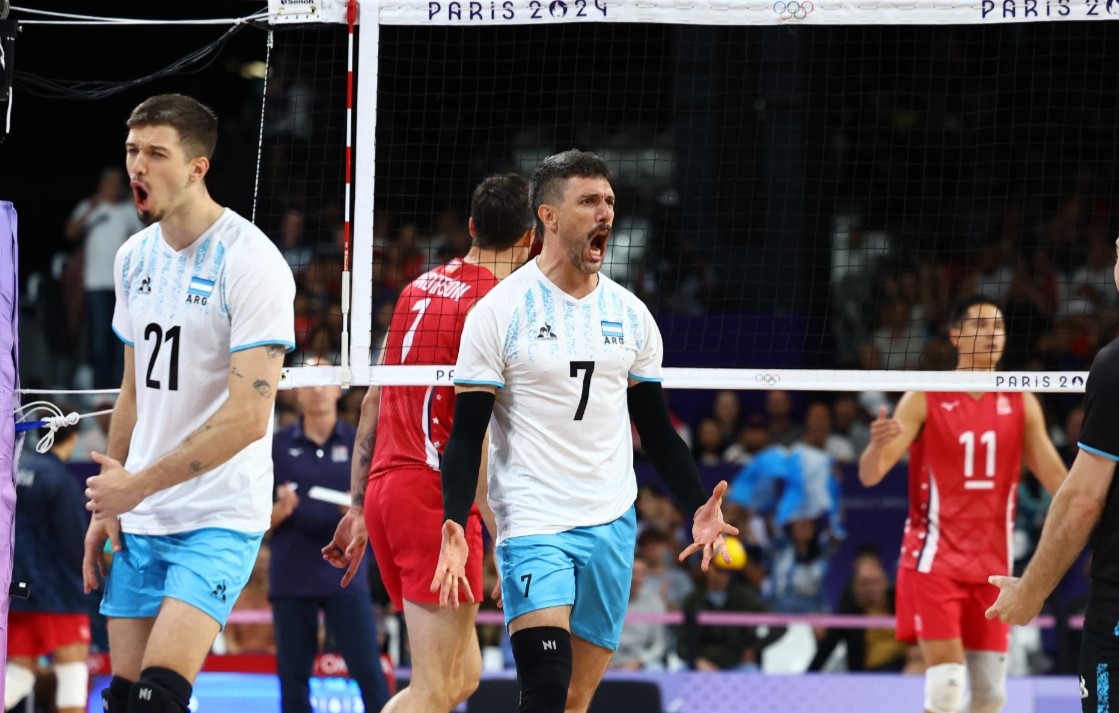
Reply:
x=297, y=568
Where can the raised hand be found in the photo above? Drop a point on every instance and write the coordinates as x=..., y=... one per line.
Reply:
x=883, y=430
x=450, y=570
x=708, y=528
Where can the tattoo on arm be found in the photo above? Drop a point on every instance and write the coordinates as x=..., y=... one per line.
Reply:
x=365, y=450
x=196, y=467
x=263, y=388
x=275, y=350
x=364, y=456
x=201, y=429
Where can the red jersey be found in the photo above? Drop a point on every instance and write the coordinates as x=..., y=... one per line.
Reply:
x=964, y=468
x=415, y=421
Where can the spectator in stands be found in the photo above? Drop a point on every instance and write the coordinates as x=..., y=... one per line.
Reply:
x=1091, y=287
x=103, y=222
x=818, y=433
x=663, y=573
x=728, y=412
x=800, y=562
x=899, y=338
x=850, y=422
x=724, y=648
x=992, y=275
x=752, y=438
x=708, y=448
x=779, y=414
x=868, y=593
x=54, y=621
x=315, y=453
x=643, y=645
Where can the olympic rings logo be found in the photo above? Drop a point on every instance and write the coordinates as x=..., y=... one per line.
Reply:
x=796, y=9
x=767, y=379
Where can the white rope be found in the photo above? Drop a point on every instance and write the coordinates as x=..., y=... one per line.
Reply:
x=55, y=421
x=74, y=19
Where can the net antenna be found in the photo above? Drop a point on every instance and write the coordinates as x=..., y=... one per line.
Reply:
x=413, y=23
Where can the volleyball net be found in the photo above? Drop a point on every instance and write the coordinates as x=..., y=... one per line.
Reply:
x=805, y=189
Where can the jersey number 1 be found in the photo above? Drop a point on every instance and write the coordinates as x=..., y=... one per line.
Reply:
x=406, y=345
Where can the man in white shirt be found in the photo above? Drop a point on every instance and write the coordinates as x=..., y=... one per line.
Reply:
x=105, y=220
x=561, y=356
x=204, y=308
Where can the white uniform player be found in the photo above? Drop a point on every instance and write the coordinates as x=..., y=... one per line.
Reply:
x=184, y=313
x=561, y=357
x=204, y=308
x=562, y=365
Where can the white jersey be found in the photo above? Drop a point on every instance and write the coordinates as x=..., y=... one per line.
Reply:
x=185, y=313
x=561, y=450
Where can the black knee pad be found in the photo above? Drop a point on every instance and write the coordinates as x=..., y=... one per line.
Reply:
x=159, y=690
x=114, y=697
x=543, y=656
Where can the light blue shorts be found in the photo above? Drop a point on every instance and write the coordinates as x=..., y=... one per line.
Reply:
x=205, y=568
x=588, y=568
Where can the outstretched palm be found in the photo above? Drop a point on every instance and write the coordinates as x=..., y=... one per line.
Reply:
x=450, y=570
x=708, y=528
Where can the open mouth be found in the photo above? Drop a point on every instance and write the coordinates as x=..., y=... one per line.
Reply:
x=140, y=196
x=598, y=244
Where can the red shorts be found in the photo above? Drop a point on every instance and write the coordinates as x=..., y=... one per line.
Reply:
x=40, y=633
x=404, y=516
x=932, y=607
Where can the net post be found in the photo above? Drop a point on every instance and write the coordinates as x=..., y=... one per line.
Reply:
x=361, y=315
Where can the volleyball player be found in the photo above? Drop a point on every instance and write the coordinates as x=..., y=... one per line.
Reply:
x=1086, y=502
x=561, y=357
x=204, y=308
x=399, y=499
x=965, y=455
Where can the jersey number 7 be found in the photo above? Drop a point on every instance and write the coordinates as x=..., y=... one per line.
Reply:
x=576, y=367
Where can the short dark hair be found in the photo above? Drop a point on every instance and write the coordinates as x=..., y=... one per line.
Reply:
x=499, y=207
x=196, y=123
x=550, y=175
x=960, y=313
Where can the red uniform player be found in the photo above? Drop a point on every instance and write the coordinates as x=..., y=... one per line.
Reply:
x=396, y=490
x=966, y=452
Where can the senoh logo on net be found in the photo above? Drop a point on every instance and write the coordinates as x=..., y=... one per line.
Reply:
x=794, y=9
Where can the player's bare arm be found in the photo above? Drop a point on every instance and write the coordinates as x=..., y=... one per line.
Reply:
x=121, y=425
x=1038, y=451
x=347, y=548
x=890, y=437
x=1075, y=510
x=482, y=498
x=676, y=467
x=462, y=460
x=254, y=376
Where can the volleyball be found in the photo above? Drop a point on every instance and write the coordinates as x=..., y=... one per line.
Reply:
x=737, y=555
